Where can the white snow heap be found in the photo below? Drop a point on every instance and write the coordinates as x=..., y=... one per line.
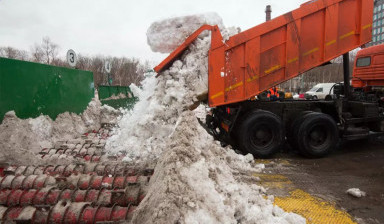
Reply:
x=22, y=139
x=195, y=179
x=166, y=35
x=198, y=181
x=143, y=131
x=356, y=192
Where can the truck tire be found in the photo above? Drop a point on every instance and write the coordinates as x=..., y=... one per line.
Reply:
x=317, y=135
x=261, y=133
x=292, y=132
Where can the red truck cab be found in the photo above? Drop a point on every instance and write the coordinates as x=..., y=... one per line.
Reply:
x=368, y=69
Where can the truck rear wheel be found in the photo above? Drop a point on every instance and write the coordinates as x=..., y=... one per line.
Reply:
x=292, y=132
x=261, y=134
x=317, y=135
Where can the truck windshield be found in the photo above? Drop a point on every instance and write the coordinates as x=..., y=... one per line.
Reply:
x=363, y=62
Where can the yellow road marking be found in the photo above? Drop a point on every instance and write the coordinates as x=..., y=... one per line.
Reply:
x=367, y=26
x=234, y=86
x=270, y=161
x=314, y=209
x=347, y=35
x=217, y=95
x=331, y=42
x=274, y=68
x=275, y=181
x=311, y=51
x=293, y=60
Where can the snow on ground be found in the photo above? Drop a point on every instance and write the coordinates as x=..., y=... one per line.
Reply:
x=195, y=179
x=356, y=192
x=22, y=139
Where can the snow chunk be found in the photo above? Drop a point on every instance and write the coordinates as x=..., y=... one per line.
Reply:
x=166, y=35
x=356, y=192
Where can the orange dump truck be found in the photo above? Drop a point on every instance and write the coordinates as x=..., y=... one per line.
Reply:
x=266, y=55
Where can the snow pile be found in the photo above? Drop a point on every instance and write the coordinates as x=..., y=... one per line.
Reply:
x=195, y=180
x=356, y=192
x=91, y=116
x=22, y=139
x=166, y=35
x=143, y=132
x=109, y=115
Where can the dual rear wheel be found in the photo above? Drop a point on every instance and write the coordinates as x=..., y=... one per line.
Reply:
x=262, y=133
x=314, y=134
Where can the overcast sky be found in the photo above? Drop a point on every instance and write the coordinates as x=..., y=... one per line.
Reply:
x=116, y=27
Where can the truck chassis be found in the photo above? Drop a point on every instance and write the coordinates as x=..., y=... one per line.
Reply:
x=313, y=127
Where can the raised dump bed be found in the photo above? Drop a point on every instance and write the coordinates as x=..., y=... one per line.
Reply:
x=268, y=54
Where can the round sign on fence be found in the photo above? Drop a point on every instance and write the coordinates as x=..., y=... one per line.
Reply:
x=71, y=58
x=108, y=66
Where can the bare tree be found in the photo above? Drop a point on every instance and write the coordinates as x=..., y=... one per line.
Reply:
x=50, y=50
x=37, y=53
x=84, y=62
x=10, y=52
x=46, y=52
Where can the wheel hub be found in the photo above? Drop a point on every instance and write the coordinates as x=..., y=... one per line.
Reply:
x=262, y=137
x=317, y=136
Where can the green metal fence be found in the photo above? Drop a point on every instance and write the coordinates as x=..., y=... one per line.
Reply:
x=31, y=89
x=117, y=96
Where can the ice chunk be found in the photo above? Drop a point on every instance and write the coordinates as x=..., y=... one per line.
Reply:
x=166, y=35
x=356, y=192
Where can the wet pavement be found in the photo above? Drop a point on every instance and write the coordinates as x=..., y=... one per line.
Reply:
x=316, y=188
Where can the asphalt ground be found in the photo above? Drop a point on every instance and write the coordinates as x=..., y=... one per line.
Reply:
x=316, y=188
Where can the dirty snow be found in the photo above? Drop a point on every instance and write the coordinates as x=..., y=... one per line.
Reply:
x=356, y=192
x=118, y=96
x=195, y=179
x=198, y=181
x=22, y=139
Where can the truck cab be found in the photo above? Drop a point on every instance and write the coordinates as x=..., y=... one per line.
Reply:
x=368, y=72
